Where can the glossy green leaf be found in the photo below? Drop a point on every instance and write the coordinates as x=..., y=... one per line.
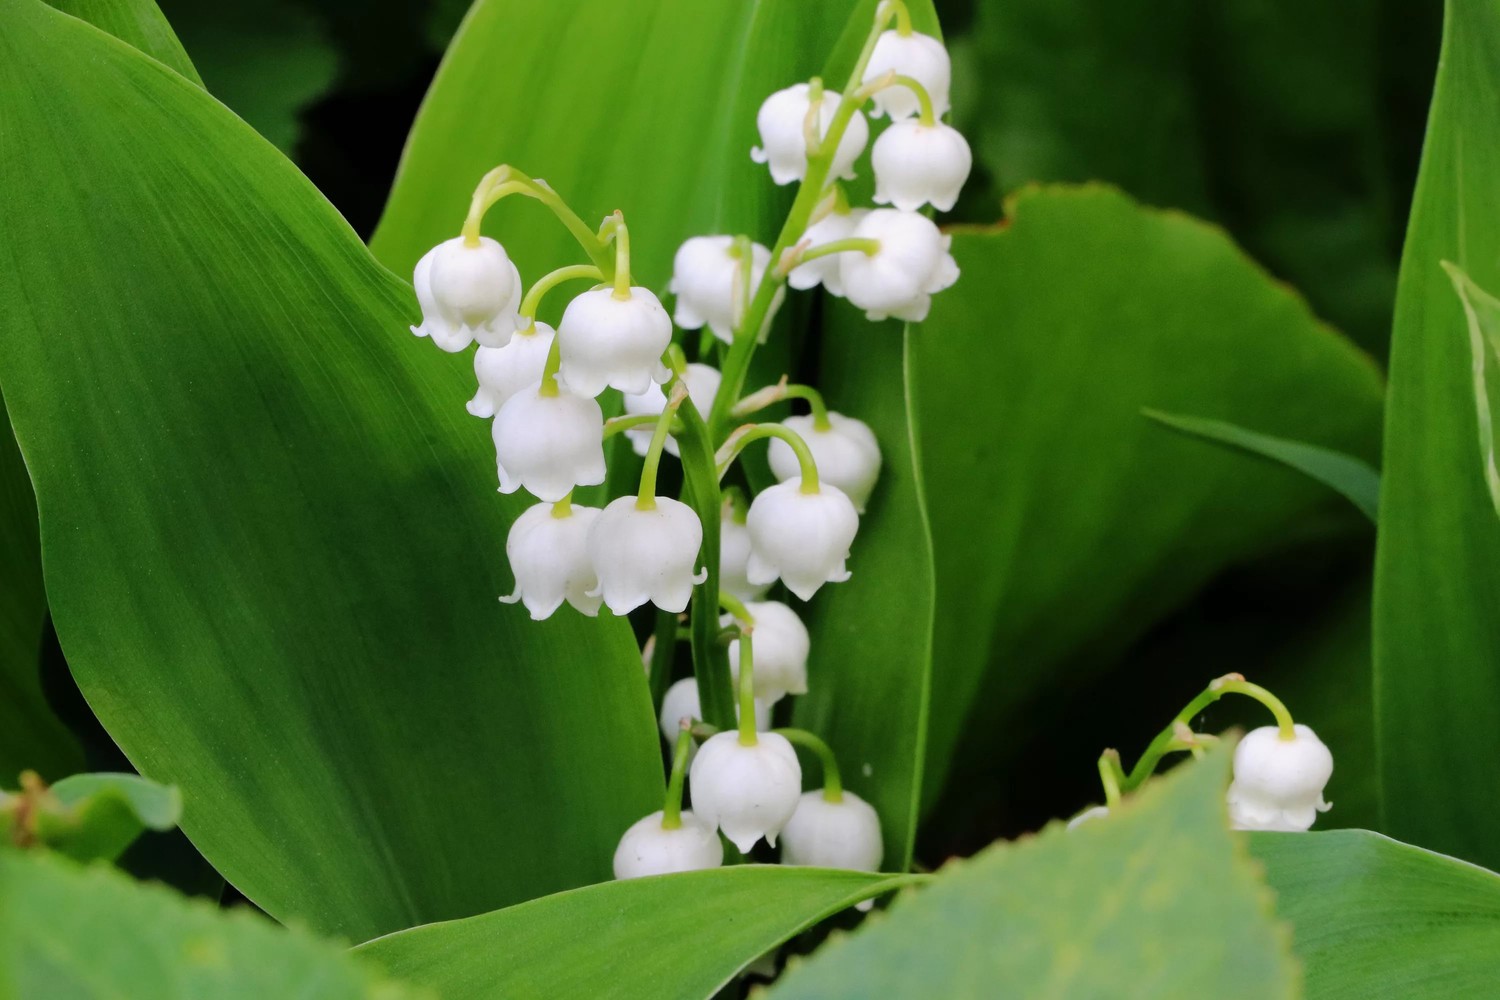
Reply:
x=680, y=936
x=139, y=23
x=73, y=933
x=1482, y=313
x=1376, y=919
x=1355, y=479
x=1065, y=526
x=271, y=534
x=1437, y=637
x=1154, y=901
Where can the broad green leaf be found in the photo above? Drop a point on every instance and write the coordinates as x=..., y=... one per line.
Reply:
x=1154, y=901
x=1437, y=571
x=271, y=534
x=69, y=932
x=135, y=22
x=105, y=813
x=1064, y=526
x=1376, y=919
x=680, y=936
x=1482, y=313
x=1355, y=479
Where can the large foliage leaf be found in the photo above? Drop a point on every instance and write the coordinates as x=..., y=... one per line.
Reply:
x=1437, y=637
x=135, y=22
x=271, y=534
x=680, y=936
x=1154, y=901
x=74, y=933
x=1375, y=919
x=1064, y=523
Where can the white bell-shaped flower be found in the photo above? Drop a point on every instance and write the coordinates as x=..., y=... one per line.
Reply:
x=781, y=647
x=709, y=282
x=899, y=279
x=648, y=848
x=548, y=553
x=1278, y=784
x=646, y=555
x=504, y=371
x=825, y=270
x=846, y=454
x=802, y=538
x=749, y=792
x=702, y=383
x=918, y=165
x=843, y=834
x=734, y=558
x=467, y=294
x=919, y=56
x=608, y=342
x=782, y=121
x=681, y=702
x=548, y=444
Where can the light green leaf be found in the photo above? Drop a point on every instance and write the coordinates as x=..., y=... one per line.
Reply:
x=1064, y=526
x=680, y=936
x=102, y=814
x=74, y=933
x=1376, y=919
x=1354, y=478
x=135, y=22
x=1482, y=312
x=1155, y=901
x=272, y=540
x=1437, y=567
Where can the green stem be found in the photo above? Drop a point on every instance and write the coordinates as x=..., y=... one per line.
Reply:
x=671, y=810
x=1109, y=777
x=1163, y=743
x=750, y=433
x=748, y=737
x=615, y=425
x=926, y=114
x=833, y=785
x=771, y=394
x=564, y=507
x=736, y=607
x=903, y=17
x=506, y=180
x=622, y=259
x=550, y=369
x=854, y=244
x=701, y=490
x=645, y=498
x=664, y=638
x=551, y=280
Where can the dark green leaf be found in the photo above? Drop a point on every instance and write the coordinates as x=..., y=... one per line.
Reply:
x=135, y=22
x=1437, y=637
x=1482, y=311
x=1354, y=478
x=271, y=533
x=679, y=936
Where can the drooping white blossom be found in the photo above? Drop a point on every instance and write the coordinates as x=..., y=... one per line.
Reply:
x=548, y=443
x=918, y=165
x=648, y=848
x=802, y=538
x=734, y=557
x=609, y=342
x=681, y=701
x=550, y=560
x=749, y=792
x=846, y=454
x=900, y=278
x=702, y=383
x=825, y=270
x=708, y=279
x=919, y=56
x=1278, y=784
x=504, y=371
x=843, y=834
x=780, y=644
x=782, y=121
x=646, y=555
x=467, y=294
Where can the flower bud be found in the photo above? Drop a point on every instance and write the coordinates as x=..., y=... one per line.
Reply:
x=803, y=538
x=782, y=121
x=749, y=792
x=549, y=557
x=467, y=294
x=709, y=282
x=1278, y=784
x=702, y=383
x=918, y=165
x=781, y=646
x=504, y=371
x=846, y=454
x=611, y=342
x=843, y=834
x=825, y=270
x=681, y=702
x=734, y=556
x=918, y=56
x=548, y=444
x=648, y=848
x=646, y=555
x=898, y=279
